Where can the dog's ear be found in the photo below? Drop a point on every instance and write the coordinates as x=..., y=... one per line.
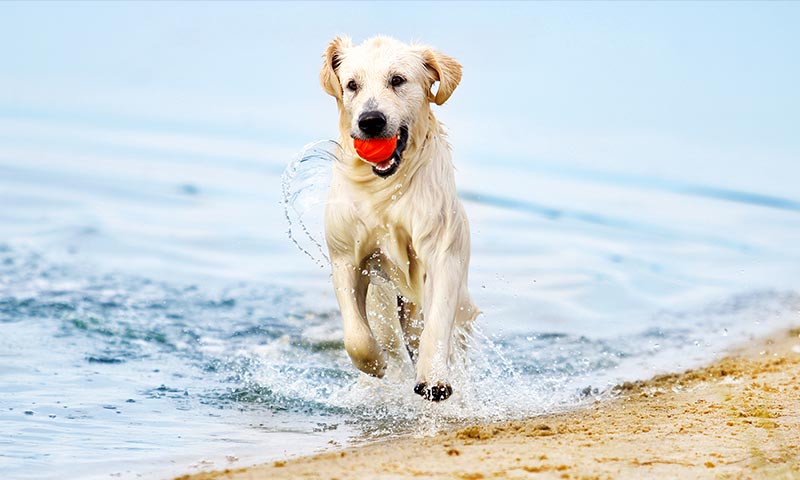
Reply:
x=446, y=70
x=330, y=63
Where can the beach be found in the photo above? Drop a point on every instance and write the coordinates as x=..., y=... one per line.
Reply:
x=629, y=174
x=738, y=417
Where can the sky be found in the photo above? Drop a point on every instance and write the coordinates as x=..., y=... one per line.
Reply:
x=689, y=91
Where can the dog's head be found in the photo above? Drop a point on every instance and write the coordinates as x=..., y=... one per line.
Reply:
x=383, y=87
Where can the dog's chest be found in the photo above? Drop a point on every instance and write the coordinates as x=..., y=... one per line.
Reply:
x=384, y=225
x=387, y=231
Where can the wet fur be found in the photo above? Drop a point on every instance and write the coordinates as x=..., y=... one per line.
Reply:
x=399, y=246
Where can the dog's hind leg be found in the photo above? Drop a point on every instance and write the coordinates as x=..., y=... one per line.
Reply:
x=383, y=316
x=351, y=292
x=411, y=324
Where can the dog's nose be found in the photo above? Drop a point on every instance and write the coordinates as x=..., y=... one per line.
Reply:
x=372, y=123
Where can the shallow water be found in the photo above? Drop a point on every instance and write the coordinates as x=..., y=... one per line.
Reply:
x=157, y=319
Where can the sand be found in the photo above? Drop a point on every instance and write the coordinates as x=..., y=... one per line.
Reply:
x=737, y=418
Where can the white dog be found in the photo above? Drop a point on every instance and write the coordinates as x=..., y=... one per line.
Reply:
x=397, y=234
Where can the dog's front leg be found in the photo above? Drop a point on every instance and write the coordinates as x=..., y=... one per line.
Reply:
x=442, y=289
x=351, y=292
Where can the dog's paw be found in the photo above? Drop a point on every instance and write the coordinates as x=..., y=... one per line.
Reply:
x=435, y=393
x=375, y=368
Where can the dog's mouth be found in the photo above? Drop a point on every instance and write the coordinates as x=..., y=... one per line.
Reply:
x=388, y=167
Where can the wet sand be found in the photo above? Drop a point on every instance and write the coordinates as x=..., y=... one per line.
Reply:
x=737, y=418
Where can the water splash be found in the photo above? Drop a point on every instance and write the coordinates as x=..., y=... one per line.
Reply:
x=305, y=183
x=247, y=365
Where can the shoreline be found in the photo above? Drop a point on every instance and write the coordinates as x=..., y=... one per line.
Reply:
x=738, y=417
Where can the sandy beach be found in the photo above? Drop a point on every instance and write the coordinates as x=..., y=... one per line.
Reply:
x=736, y=418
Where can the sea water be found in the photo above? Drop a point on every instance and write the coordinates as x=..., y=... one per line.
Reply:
x=158, y=317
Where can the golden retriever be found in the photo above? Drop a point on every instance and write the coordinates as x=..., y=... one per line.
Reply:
x=396, y=231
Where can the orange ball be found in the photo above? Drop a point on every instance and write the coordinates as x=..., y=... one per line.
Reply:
x=375, y=150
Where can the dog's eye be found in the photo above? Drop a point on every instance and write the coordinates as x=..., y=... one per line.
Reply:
x=352, y=85
x=397, y=80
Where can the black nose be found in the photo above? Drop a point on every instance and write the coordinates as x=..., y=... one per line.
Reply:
x=372, y=123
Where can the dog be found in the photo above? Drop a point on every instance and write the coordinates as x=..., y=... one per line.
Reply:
x=397, y=234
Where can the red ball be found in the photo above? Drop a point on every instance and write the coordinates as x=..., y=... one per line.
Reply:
x=375, y=150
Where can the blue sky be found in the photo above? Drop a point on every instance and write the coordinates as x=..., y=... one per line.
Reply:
x=692, y=91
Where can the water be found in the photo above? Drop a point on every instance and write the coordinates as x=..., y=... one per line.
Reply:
x=305, y=185
x=156, y=318
x=157, y=323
